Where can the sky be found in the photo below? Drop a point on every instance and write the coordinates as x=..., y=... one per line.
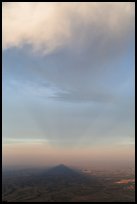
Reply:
x=68, y=82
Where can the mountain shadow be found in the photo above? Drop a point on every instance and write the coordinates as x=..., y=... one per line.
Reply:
x=63, y=174
x=63, y=184
x=62, y=170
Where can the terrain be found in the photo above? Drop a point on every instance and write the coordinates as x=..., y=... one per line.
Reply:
x=65, y=184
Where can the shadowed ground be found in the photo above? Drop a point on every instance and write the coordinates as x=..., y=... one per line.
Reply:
x=63, y=184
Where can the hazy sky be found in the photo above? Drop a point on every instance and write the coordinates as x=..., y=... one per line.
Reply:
x=68, y=81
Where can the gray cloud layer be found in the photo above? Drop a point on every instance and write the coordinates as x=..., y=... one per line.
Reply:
x=82, y=46
x=91, y=34
x=51, y=26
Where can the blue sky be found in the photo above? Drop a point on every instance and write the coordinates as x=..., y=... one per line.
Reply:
x=71, y=85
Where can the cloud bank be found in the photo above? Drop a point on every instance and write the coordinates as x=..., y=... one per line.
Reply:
x=87, y=58
x=47, y=27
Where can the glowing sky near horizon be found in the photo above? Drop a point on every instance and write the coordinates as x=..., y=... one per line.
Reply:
x=68, y=81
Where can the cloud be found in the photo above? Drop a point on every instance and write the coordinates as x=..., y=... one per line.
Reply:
x=83, y=36
x=77, y=96
x=84, y=59
x=94, y=33
x=48, y=27
x=42, y=90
